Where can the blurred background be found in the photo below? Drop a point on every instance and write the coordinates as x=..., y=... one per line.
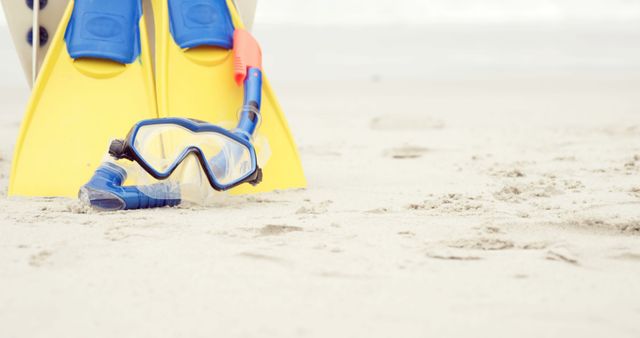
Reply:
x=354, y=12
x=534, y=58
x=540, y=33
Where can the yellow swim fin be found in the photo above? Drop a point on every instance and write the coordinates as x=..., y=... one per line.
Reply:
x=96, y=82
x=195, y=79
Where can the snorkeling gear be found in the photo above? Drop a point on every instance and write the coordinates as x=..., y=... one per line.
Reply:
x=195, y=44
x=96, y=81
x=162, y=146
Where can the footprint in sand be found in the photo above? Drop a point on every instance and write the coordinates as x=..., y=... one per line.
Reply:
x=633, y=164
x=565, y=159
x=273, y=230
x=450, y=203
x=513, y=171
x=315, y=209
x=630, y=227
x=407, y=233
x=463, y=249
x=261, y=257
x=534, y=246
x=40, y=258
x=537, y=189
x=481, y=243
x=573, y=185
x=451, y=255
x=562, y=255
x=454, y=257
x=378, y=211
x=261, y=200
x=491, y=230
x=406, y=152
x=628, y=256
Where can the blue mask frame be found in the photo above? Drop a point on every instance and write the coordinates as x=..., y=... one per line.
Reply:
x=125, y=149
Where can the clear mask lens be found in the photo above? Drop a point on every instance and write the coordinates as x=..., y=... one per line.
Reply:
x=162, y=145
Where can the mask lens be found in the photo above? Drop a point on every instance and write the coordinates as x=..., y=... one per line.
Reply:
x=229, y=160
x=161, y=145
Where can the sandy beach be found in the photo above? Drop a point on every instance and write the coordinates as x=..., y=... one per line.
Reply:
x=463, y=181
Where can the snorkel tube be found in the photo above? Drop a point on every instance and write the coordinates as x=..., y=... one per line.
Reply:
x=105, y=190
x=248, y=72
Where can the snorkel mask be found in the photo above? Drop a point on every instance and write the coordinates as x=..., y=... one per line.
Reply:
x=172, y=157
x=160, y=146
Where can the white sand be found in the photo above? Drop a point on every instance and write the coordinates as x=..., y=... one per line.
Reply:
x=463, y=181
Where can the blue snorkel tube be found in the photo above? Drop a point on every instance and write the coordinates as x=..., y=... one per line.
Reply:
x=105, y=191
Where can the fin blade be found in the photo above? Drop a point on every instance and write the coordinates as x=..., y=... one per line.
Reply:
x=70, y=118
